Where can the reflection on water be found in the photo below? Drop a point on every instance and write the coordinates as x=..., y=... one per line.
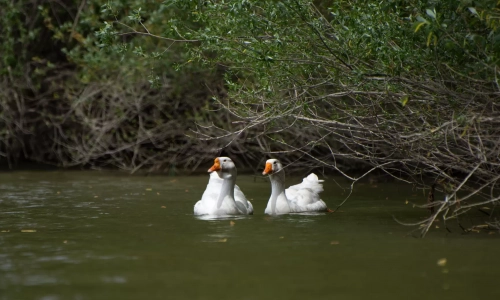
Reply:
x=91, y=235
x=222, y=217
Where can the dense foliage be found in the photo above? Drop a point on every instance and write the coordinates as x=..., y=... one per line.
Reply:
x=409, y=88
x=65, y=100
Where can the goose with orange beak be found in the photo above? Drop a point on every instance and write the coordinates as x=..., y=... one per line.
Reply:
x=222, y=196
x=302, y=197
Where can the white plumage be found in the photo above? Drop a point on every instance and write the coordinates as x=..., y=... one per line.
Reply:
x=222, y=196
x=302, y=197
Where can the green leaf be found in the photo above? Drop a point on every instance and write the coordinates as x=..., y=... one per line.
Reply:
x=404, y=100
x=431, y=13
x=422, y=19
x=418, y=25
x=473, y=11
x=429, y=38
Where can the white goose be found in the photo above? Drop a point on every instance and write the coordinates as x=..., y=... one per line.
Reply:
x=302, y=197
x=222, y=196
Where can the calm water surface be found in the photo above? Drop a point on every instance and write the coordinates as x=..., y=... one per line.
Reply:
x=94, y=235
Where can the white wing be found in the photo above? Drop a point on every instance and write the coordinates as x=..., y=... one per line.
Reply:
x=305, y=197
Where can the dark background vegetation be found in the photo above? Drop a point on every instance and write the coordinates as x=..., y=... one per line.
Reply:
x=408, y=89
x=66, y=101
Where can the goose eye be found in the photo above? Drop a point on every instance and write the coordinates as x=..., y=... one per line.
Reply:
x=275, y=163
x=225, y=160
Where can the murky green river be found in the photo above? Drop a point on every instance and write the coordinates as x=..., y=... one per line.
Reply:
x=95, y=235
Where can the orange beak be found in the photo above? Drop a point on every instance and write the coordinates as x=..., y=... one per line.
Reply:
x=268, y=169
x=215, y=167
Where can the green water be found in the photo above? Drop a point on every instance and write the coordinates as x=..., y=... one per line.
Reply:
x=92, y=235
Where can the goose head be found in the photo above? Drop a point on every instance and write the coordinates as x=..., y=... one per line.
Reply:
x=273, y=166
x=224, y=167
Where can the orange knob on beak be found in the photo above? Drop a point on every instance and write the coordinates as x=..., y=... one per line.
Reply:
x=268, y=169
x=216, y=166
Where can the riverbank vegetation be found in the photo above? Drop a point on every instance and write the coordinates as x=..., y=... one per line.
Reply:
x=66, y=101
x=405, y=88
